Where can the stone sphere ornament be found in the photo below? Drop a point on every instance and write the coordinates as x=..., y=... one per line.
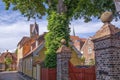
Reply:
x=63, y=41
x=106, y=17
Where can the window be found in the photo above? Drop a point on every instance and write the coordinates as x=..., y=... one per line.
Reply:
x=31, y=48
x=89, y=50
x=36, y=43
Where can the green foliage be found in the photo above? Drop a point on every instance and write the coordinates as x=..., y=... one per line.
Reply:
x=8, y=61
x=50, y=60
x=93, y=8
x=58, y=29
x=16, y=51
x=92, y=62
x=82, y=60
x=9, y=69
x=29, y=8
x=75, y=8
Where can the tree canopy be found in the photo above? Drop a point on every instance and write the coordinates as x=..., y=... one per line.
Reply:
x=74, y=8
x=8, y=61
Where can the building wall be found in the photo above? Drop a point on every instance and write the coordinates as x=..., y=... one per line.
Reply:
x=75, y=60
x=27, y=67
x=19, y=57
x=88, y=51
x=107, y=58
x=34, y=72
x=2, y=66
x=38, y=71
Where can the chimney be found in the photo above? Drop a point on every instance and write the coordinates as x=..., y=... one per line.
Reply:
x=36, y=43
x=6, y=50
x=34, y=29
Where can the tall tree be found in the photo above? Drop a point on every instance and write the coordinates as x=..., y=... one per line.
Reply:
x=8, y=62
x=59, y=14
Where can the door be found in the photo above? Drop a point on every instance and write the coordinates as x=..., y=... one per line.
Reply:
x=38, y=72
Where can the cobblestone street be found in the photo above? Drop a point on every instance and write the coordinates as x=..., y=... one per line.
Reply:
x=12, y=75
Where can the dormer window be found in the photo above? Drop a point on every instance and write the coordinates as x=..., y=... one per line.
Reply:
x=36, y=43
x=31, y=48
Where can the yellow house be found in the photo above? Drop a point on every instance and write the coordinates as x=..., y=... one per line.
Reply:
x=31, y=64
x=24, y=46
x=20, y=48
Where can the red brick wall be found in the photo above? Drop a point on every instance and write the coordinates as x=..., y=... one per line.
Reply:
x=86, y=53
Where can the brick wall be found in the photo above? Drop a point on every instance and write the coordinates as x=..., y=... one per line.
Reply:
x=107, y=53
x=88, y=51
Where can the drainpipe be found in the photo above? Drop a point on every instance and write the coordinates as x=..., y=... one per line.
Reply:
x=32, y=66
x=22, y=65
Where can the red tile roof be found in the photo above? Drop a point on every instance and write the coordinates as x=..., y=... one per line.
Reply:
x=41, y=37
x=23, y=40
x=33, y=50
x=77, y=38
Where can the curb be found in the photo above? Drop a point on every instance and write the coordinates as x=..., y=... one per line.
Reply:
x=24, y=77
x=21, y=76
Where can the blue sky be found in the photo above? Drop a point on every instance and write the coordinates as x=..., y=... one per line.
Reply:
x=13, y=26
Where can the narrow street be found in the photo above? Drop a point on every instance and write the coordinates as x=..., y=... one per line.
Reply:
x=11, y=75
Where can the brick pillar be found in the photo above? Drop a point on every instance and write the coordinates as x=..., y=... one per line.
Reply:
x=63, y=57
x=107, y=50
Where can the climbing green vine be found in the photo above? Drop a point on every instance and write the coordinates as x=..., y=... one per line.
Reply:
x=58, y=29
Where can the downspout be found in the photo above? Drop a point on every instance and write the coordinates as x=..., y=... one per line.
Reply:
x=22, y=66
x=32, y=67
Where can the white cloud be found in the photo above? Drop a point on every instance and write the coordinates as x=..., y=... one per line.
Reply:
x=87, y=28
x=13, y=26
x=11, y=33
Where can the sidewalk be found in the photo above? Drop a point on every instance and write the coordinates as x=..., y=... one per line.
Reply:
x=10, y=75
x=24, y=76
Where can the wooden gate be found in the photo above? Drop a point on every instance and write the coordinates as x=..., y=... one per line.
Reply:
x=74, y=73
x=48, y=74
x=81, y=73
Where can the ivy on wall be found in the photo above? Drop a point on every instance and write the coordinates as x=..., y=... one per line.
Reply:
x=58, y=29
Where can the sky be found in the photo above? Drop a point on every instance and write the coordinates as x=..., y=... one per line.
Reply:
x=13, y=26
